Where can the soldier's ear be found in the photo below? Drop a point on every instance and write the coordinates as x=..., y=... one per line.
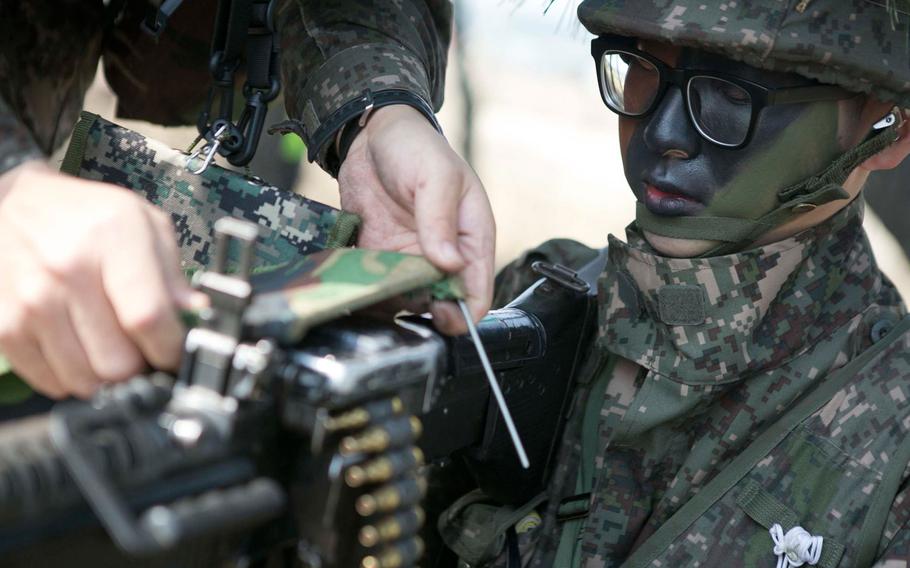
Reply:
x=894, y=154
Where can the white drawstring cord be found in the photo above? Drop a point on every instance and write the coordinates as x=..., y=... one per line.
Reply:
x=795, y=548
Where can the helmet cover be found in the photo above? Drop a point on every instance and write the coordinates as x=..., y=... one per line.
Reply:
x=861, y=45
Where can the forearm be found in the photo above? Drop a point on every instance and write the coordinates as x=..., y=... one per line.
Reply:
x=334, y=51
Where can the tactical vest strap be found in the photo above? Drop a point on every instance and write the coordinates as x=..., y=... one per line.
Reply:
x=770, y=438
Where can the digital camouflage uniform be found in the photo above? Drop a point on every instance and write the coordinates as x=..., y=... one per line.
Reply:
x=710, y=357
x=728, y=394
x=330, y=52
x=290, y=225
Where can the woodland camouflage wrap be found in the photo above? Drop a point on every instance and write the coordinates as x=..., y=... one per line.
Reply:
x=331, y=52
x=291, y=298
x=289, y=224
x=846, y=42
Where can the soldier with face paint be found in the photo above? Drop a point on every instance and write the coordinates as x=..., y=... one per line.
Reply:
x=746, y=401
x=723, y=142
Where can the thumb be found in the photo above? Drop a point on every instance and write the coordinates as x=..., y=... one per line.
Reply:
x=436, y=205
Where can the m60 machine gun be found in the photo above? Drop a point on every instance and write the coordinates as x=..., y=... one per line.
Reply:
x=264, y=453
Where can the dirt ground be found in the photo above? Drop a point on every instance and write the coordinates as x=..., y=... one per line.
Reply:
x=543, y=142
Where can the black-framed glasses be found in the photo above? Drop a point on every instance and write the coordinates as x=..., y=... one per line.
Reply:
x=722, y=107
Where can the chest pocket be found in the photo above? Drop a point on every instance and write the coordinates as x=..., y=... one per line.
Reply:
x=834, y=463
x=803, y=482
x=768, y=512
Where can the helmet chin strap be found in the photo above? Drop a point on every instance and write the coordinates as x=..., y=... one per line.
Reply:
x=735, y=234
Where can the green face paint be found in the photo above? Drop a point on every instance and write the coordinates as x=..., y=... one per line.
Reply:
x=691, y=188
x=789, y=146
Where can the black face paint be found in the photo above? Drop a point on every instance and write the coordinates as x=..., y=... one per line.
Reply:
x=676, y=172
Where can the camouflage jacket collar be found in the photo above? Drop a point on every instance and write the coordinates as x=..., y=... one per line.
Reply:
x=726, y=318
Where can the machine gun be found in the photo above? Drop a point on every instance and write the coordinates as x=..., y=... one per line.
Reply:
x=313, y=454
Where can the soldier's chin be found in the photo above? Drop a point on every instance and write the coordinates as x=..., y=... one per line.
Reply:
x=679, y=248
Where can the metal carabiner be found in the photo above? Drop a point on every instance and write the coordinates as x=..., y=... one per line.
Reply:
x=209, y=149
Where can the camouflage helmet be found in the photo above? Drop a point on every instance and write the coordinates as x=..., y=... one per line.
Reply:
x=861, y=45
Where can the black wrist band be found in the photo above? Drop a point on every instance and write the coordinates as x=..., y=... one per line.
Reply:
x=352, y=117
x=348, y=132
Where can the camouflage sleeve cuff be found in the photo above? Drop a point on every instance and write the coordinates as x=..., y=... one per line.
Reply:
x=329, y=97
x=16, y=142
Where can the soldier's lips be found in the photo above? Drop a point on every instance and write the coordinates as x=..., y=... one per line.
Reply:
x=670, y=201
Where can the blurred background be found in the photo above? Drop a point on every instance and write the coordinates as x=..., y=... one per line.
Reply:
x=522, y=107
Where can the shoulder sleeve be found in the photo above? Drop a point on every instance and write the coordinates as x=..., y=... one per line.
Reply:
x=334, y=50
x=16, y=142
x=48, y=56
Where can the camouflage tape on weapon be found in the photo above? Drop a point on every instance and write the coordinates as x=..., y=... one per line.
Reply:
x=292, y=298
x=290, y=225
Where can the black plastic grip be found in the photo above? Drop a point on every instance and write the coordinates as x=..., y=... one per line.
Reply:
x=80, y=431
x=234, y=508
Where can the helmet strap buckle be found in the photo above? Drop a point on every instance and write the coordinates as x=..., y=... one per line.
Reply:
x=894, y=116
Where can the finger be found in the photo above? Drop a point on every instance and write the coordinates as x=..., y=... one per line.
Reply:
x=135, y=282
x=183, y=294
x=477, y=242
x=25, y=356
x=111, y=353
x=477, y=279
x=17, y=344
x=448, y=319
x=64, y=352
x=436, y=207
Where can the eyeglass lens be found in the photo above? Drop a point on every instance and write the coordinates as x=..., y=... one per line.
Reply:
x=629, y=82
x=721, y=110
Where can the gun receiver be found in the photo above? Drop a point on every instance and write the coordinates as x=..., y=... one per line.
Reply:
x=314, y=454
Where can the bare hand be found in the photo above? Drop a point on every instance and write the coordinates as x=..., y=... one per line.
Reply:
x=416, y=195
x=90, y=282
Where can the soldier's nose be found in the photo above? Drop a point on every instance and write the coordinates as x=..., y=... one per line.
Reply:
x=668, y=132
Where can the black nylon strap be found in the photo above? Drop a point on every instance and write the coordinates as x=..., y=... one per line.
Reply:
x=237, y=25
x=258, y=61
x=321, y=147
x=514, y=554
x=155, y=23
x=349, y=114
x=261, y=55
x=243, y=31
